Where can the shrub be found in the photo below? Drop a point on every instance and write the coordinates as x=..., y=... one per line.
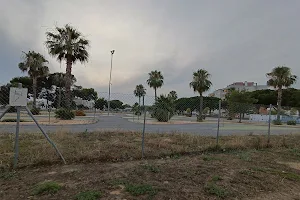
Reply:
x=188, y=112
x=64, y=114
x=47, y=187
x=88, y=195
x=277, y=122
x=35, y=111
x=164, y=109
x=79, y=113
x=291, y=122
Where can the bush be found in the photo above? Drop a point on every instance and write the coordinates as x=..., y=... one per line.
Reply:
x=64, y=114
x=163, y=109
x=35, y=111
x=188, y=112
x=277, y=122
x=79, y=113
x=12, y=120
x=291, y=122
x=88, y=195
x=47, y=187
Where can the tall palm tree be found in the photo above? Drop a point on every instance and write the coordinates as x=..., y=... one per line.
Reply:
x=201, y=84
x=280, y=77
x=139, y=92
x=156, y=80
x=67, y=44
x=34, y=64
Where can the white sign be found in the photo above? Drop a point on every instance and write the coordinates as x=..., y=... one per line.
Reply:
x=18, y=96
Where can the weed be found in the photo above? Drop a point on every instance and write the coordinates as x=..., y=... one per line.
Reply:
x=216, y=190
x=288, y=175
x=216, y=178
x=88, y=195
x=46, y=187
x=7, y=175
x=142, y=189
x=210, y=158
x=151, y=168
x=244, y=156
x=175, y=156
x=295, y=151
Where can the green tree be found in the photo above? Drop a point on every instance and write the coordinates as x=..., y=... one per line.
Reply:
x=116, y=104
x=34, y=64
x=280, y=77
x=4, y=94
x=100, y=103
x=240, y=102
x=67, y=44
x=201, y=84
x=86, y=93
x=155, y=80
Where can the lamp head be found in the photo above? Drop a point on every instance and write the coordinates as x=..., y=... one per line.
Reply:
x=112, y=51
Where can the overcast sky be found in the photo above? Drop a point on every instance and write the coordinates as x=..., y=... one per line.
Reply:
x=235, y=40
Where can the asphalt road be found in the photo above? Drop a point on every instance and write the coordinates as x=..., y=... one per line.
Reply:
x=118, y=123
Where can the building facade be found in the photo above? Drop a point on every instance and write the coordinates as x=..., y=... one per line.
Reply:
x=239, y=86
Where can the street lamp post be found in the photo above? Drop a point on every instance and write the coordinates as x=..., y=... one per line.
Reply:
x=109, y=84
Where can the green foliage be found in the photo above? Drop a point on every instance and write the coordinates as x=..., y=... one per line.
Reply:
x=137, y=190
x=139, y=91
x=240, y=102
x=35, y=111
x=291, y=122
x=116, y=104
x=100, y=103
x=155, y=80
x=173, y=95
x=151, y=168
x=82, y=107
x=64, y=114
x=4, y=94
x=188, y=112
x=164, y=109
x=88, y=195
x=85, y=93
x=214, y=189
x=277, y=122
x=47, y=187
x=193, y=103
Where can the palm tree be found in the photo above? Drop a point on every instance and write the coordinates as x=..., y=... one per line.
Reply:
x=201, y=84
x=173, y=95
x=280, y=77
x=67, y=44
x=156, y=80
x=139, y=92
x=34, y=64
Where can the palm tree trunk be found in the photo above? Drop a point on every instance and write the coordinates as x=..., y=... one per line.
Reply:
x=200, y=109
x=279, y=98
x=68, y=98
x=155, y=95
x=240, y=121
x=34, y=87
x=59, y=97
x=139, y=108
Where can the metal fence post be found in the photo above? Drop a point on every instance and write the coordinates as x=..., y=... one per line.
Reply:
x=269, y=125
x=219, y=116
x=143, y=134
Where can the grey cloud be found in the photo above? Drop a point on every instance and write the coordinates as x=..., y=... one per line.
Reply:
x=234, y=40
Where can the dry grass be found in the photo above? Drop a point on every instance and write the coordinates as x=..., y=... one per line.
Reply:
x=122, y=146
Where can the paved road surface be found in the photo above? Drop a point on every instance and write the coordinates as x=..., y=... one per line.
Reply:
x=118, y=123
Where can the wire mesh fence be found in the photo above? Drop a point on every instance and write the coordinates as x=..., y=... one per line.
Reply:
x=164, y=114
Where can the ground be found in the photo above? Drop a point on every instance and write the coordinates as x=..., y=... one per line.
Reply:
x=175, y=166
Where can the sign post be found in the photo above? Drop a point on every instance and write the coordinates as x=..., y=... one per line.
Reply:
x=18, y=99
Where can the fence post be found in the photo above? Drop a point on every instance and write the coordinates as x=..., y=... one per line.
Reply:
x=143, y=134
x=269, y=125
x=16, y=156
x=219, y=116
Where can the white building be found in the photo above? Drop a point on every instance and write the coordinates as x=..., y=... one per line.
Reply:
x=239, y=86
